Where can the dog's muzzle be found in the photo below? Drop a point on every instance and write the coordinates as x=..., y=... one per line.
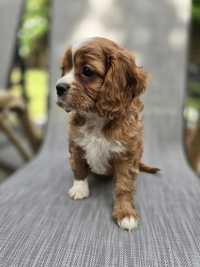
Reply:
x=62, y=88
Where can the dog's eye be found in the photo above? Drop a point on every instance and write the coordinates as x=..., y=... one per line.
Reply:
x=86, y=71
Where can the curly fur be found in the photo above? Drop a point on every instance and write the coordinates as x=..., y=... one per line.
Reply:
x=106, y=110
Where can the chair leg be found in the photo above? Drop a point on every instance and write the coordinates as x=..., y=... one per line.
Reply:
x=7, y=168
x=30, y=131
x=10, y=102
x=9, y=132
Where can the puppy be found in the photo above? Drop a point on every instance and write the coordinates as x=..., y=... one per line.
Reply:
x=101, y=86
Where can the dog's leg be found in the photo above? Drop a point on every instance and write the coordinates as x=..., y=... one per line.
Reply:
x=124, y=211
x=80, y=188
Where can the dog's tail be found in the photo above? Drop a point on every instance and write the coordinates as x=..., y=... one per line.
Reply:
x=149, y=169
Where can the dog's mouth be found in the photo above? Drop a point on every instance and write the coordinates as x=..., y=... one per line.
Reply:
x=62, y=104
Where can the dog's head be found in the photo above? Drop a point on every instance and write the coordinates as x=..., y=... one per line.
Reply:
x=101, y=77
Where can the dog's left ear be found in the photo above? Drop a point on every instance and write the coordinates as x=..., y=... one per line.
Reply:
x=136, y=77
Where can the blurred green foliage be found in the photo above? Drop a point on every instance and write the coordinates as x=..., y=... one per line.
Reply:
x=196, y=12
x=34, y=26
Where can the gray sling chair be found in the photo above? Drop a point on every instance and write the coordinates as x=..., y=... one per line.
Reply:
x=41, y=226
x=10, y=14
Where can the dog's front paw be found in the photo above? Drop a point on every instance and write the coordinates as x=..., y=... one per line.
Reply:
x=128, y=223
x=126, y=217
x=79, y=190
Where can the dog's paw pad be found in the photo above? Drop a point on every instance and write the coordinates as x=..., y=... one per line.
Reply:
x=79, y=190
x=128, y=223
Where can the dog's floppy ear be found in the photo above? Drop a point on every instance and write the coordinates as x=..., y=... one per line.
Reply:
x=111, y=102
x=135, y=75
x=123, y=81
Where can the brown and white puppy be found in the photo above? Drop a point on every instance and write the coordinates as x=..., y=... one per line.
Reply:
x=100, y=86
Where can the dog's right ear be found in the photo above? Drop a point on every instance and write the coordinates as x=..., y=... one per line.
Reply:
x=137, y=78
x=111, y=102
x=67, y=62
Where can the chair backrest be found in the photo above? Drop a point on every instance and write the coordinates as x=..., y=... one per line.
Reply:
x=10, y=14
x=162, y=45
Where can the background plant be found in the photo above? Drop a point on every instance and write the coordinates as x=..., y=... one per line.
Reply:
x=34, y=29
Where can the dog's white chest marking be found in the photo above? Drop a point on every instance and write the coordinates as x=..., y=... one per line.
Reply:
x=98, y=150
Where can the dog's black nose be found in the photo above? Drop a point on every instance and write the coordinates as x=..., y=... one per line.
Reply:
x=62, y=88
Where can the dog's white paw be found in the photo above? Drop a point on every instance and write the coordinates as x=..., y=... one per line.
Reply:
x=128, y=223
x=79, y=190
